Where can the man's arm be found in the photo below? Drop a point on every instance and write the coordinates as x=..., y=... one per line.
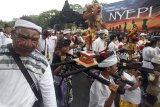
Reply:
x=47, y=89
x=109, y=101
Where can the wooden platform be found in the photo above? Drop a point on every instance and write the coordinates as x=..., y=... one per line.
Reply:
x=85, y=65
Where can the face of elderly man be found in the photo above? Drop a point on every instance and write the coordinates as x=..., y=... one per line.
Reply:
x=104, y=37
x=25, y=40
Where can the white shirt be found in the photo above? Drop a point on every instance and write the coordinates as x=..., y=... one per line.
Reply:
x=99, y=45
x=148, y=53
x=133, y=96
x=99, y=93
x=112, y=47
x=52, y=40
x=15, y=90
x=5, y=39
x=42, y=43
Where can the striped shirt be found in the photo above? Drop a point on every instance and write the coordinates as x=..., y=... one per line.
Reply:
x=14, y=88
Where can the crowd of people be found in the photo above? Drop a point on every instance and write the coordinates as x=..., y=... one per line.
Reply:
x=38, y=49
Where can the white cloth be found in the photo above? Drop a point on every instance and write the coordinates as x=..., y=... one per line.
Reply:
x=105, y=31
x=15, y=90
x=67, y=31
x=110, y=61
x=27, y=24
x=157, y=50
x=5, y=39
x=52, y=41
x=140, y=42
x=133, y=96
x=71, y=50
x=99, y=93
x=42, y=43
x=148, y=53
x=128, y=77
x=99, y=45
x=112, y=47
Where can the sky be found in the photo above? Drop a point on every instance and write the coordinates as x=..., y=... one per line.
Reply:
x=10, y=9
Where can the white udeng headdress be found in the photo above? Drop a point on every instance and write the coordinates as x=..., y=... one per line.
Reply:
x=105, y=31
x=67, y=31
x=27, y=24
x=110, y=61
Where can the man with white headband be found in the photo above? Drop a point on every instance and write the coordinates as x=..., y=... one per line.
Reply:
x=100, y=94
x=15, y=90
x=67, y=35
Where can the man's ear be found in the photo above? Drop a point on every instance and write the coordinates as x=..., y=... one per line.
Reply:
x=107, y=69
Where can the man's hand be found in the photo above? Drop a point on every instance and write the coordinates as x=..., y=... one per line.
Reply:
x=73, y=46
x=63, y=58
x=113, y=88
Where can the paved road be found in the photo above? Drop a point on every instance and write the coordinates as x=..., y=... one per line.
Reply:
x=81, y=86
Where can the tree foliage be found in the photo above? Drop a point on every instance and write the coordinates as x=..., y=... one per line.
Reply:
x=45, y=17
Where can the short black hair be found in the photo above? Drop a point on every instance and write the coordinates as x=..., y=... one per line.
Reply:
x=63, y=42
x=122, y=38
x=45, y=33
x=112, y=37
x=6, y=25
x=152, y=40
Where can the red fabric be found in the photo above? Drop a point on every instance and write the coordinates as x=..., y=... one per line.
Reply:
x=120, y=46
x=141, y=47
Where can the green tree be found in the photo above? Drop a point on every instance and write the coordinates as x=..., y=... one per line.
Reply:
x=45, y=17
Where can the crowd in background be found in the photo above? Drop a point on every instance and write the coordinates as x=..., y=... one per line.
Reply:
x=56, y=46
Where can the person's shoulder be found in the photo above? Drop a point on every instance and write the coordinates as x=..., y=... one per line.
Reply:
x=1, y=33
x=97, y=85
x=39, y=57
x=111, y=43
x=97, y=40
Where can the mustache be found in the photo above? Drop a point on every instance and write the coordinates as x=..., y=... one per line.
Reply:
x=25, y=48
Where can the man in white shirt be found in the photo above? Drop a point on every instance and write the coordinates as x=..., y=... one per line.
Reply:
x=43, y=45
x=100, y=43
x=148, y=53
x=102, y=95
x=52, y=41
x=15, y=91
